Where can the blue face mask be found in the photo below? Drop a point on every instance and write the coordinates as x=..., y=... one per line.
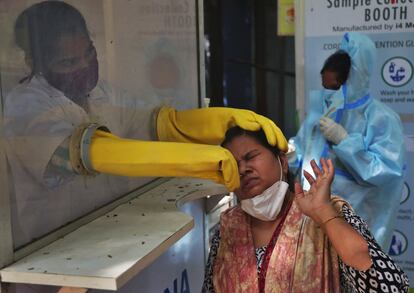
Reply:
x=327, y=97
x=328, y=92
x=324, y=102
x=332, y=100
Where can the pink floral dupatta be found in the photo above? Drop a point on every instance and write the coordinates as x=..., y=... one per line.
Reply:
x=302, y=259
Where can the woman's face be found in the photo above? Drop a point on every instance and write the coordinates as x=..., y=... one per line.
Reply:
x=258, y=166
x=73, y=66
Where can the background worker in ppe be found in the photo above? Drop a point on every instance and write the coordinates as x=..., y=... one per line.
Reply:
x=62, y=92
x=362, y=136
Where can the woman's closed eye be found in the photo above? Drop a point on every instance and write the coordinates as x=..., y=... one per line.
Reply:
x=251, y=155
x=248, y=157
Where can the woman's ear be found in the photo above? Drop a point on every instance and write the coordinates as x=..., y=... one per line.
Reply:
x=284, y=161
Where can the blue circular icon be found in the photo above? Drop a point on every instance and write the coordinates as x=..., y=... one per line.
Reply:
x=399, y=243
x=397, y=71
x=405, y=193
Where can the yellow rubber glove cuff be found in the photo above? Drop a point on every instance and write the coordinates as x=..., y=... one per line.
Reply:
x=113, y=155
x=209, y=125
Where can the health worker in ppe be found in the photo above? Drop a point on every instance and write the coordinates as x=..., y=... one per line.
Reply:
x=362, y=136
x=62, y=93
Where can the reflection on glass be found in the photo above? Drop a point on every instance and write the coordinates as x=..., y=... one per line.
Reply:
x=62, y=90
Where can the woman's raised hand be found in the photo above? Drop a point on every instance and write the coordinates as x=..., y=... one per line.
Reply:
x=315, y=202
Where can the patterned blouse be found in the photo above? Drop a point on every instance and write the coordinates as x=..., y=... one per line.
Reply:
x=383, y=276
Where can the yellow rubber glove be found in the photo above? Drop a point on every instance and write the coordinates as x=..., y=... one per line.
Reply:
x=113, y=155
x=209, y=125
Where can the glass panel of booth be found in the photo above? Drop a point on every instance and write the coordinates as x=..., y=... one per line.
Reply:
x=110, y=62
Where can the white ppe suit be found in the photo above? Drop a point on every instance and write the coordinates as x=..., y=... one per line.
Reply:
x=37, y=119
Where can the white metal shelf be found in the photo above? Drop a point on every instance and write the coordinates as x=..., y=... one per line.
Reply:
x=109, y=251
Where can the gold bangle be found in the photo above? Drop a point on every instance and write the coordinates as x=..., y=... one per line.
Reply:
x=330, y=219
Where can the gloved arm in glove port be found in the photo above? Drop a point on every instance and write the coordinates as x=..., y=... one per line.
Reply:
x=209, y=125
x=113, y=155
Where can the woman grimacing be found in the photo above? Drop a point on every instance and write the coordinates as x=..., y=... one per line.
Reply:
x=284, y=239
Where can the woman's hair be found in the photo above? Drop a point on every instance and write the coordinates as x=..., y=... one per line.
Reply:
x=338, y=62
x=39, y=27
x=260, y=137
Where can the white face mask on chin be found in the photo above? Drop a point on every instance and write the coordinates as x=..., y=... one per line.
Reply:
x=266, y=206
